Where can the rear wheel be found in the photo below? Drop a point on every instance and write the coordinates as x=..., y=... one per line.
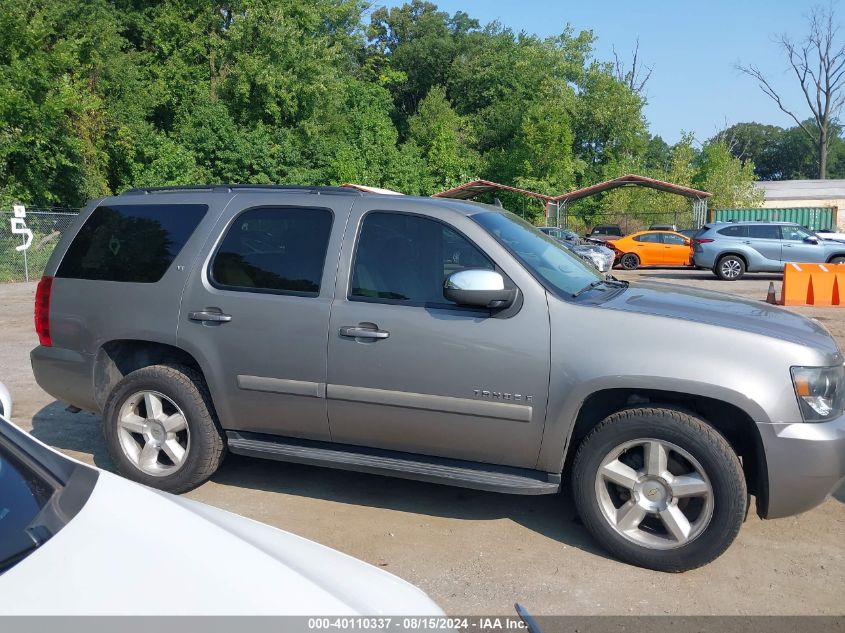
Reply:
x=630, y=261
x=730, y=268
x=659, y=488
x=160, y=428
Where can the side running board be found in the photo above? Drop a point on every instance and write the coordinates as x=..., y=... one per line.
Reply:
x=452, y=472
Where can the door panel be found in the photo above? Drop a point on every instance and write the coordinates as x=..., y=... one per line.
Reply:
x=765, y=239
x=445, y=381
x=266, y=366
x=676, y=252
x=649, y=248
x=795, y=249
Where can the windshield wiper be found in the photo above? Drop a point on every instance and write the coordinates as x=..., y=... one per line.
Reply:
x=601, y=282
x=593, y=284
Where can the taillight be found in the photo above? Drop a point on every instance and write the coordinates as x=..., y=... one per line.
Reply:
x=703, y=240
x=42, y=311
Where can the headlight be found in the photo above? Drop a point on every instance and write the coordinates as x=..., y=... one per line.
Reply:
x=594, y=258
x=820, y=391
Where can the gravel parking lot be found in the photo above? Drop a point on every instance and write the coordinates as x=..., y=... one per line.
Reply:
x=477, y=552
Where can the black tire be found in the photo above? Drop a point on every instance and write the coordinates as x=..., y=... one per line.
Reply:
x=630, y=261
x=839, y=259
x=699, y=439
x=730, y=268
x=188, y=390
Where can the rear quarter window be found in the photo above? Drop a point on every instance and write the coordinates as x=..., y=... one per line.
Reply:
x=131, y=243
x=734, y=231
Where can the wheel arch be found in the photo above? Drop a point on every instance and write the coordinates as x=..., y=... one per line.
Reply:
x=729, y=418
x=117, y=358
x=739, y=254
x=834, y=256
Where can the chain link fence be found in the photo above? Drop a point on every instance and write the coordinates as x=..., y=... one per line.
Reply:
x=46, y=227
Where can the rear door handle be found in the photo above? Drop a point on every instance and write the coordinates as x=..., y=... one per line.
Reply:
x=209, y=316
x=355, y=331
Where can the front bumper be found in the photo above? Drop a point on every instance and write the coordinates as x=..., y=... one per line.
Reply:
x=805, y=463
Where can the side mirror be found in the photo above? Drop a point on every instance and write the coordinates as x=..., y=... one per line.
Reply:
x=811, y=239
x=478, y=288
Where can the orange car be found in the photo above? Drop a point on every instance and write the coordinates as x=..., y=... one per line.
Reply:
x=652, y=248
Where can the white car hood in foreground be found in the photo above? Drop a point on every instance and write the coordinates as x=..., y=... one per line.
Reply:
x=134, y=550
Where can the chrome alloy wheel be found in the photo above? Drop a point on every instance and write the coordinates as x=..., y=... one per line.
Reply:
x=731, y=268
x=153, y=433
x=654, y=493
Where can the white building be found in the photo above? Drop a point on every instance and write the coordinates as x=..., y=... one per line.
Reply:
x=784, y=194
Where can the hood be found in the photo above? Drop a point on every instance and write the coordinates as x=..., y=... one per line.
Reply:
x=132, y=550
x=715, y=308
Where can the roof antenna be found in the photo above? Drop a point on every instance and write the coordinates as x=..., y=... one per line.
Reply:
x=497, y=203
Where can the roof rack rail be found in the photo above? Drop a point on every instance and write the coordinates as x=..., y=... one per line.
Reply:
x=142, y=191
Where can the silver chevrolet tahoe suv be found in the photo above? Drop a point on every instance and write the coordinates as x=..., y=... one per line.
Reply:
x=438, y=340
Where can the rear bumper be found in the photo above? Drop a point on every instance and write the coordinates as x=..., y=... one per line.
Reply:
x=805, y=463
x=704, y=259
x=66, y=375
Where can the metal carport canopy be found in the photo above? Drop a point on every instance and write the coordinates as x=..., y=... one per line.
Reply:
x=477, y=187
x=631, y=180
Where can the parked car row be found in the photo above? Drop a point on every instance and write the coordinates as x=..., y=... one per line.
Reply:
x=729, y=249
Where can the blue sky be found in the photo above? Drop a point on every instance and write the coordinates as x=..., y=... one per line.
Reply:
x=694, y=47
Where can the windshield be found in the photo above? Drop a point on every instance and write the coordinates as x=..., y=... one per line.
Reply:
x=563, y=272
x=24, y=495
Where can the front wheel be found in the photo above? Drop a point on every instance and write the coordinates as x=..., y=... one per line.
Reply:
x=659, y=488
x=839, y=259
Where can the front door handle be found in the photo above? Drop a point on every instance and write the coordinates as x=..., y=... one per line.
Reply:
x=209, y=316
x=355, y=331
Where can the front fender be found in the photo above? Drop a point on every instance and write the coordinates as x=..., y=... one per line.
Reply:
x=561, y=423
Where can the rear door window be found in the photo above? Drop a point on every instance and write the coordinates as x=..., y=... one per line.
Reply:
x=278, y=250
x=764, y=231
x=677, y=240
x=135, y=243
x=734, y=231
x=651, y=238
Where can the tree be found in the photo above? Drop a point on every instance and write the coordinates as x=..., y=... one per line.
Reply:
x=541, y=155
x=758, y=143
x=412, y=48
x=730, y=180
x=818, y=63
x=441, y=135
x=637, y=75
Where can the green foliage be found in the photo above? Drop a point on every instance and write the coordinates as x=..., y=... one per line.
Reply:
x=97, y=96
x=726, y=177
x=441, y=135
x=784, y=153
